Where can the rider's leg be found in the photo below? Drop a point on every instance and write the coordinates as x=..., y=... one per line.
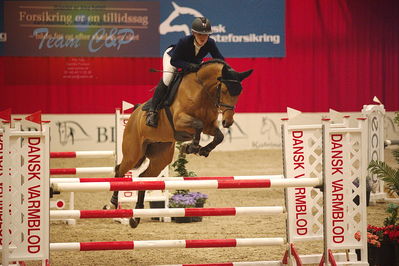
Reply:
x=159, y=94
x=160, y=91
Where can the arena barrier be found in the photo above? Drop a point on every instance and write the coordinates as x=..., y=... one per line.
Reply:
x=344, y=144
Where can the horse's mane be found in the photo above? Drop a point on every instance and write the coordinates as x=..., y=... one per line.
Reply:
x=213, y=61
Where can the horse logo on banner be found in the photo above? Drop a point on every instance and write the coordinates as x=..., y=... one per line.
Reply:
x=71, y=131
x=166, y=26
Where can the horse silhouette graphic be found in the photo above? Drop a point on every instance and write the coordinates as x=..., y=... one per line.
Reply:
x=166, y=26
x=71, y=131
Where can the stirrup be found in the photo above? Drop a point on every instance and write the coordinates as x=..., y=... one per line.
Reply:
x=152, y=119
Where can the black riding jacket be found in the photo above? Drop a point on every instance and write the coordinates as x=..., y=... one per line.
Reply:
x=183, y=53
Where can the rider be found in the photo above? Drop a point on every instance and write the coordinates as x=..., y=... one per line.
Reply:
x=186, y=54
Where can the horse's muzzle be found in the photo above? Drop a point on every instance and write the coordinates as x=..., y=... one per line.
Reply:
x=227, y=124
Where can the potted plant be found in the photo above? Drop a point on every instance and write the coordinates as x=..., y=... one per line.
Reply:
x=183, y=198
x=187, y=199
x=383, y=241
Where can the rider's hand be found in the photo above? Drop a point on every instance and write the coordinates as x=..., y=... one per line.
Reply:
x=193, y=67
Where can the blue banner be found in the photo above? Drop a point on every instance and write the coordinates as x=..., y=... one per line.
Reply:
x=250, y=28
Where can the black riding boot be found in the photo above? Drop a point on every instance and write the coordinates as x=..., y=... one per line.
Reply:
x=152, y=114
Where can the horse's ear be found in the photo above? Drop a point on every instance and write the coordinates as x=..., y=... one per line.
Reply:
x=244, y=75
x=225, y=72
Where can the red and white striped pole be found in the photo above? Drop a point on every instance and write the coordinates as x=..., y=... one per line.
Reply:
x=198, y=184
x=243, y=263
x=171, y=212
x=125, y=179
x=81, y=170
x=82, y=154
x=198, y=243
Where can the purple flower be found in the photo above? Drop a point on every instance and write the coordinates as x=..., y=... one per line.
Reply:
x=187, y=200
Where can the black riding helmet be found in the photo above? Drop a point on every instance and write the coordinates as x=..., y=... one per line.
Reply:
x=201, y=25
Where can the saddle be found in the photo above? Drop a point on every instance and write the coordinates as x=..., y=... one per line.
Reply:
x=170, y=96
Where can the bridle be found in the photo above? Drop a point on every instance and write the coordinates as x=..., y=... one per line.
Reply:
x=218, y=102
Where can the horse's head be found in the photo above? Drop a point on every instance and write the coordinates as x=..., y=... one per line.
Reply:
x=227, y=92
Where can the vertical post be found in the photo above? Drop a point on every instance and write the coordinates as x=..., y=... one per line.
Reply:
x=325, y=124
x=6, y=197
x=284, y=137
x=363, y=125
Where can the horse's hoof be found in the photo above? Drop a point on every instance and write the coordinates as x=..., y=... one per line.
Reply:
x=204, y=152
x=109, y=206
x=134, y=222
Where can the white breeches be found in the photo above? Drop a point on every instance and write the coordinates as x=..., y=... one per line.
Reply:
x=167, y=68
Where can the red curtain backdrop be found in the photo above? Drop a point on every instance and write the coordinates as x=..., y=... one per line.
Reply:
x=339, y=55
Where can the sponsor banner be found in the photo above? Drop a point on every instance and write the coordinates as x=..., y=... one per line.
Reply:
x=251, y=28
x=81, y=28
x=249, y=131
x=138, y=28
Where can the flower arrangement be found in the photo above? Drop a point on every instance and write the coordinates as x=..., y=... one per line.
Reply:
x=183, y=198
x=186, y=199
x=373, y=236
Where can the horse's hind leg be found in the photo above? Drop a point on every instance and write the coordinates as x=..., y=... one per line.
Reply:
x=133, y=156
x=160, y=155
x=121, y=173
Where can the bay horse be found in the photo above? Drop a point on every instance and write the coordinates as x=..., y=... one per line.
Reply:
x=201, y=96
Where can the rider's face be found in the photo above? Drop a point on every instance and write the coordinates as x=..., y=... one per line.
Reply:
x=201, y=39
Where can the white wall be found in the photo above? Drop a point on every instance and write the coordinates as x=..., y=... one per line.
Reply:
x=250, y=131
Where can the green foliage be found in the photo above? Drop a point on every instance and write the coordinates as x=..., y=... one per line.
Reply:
x=386, y=173
x=396, y=118
x=396, y=155
x=179, y=166
x=392, y=209
x=183, y=198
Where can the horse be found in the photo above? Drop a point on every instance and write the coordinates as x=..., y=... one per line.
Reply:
x=201, y=96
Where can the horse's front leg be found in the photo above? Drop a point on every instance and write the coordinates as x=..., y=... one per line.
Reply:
x=194, y=146
x=198, y=126
x=217, y=139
